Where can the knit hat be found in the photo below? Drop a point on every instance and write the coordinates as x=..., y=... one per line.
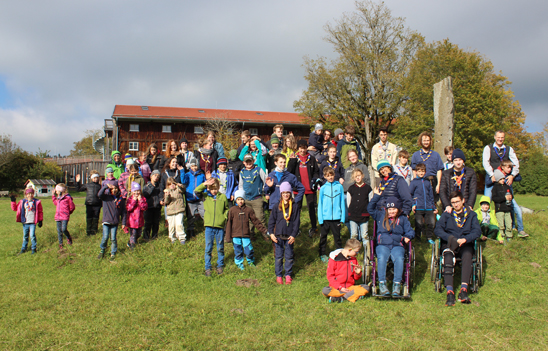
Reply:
x=274, y=139
x=127, y=157
x=285, y=187
x=239, y=193
x=457, y=153
x=194, y=162
x=221, y=161
x=383, y=163
x=29, y=190
x=233, y=153
x=129, y=161
x=248, y=157
x=338, y=131
x=302, y=143
x=498, y=175
x=393, y=202
x=135, y=186
x=318, y=126
x=109, y=170
x=183, y=140
x=154, y=172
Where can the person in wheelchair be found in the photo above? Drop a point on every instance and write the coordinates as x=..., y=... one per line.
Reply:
x=457, y=231
x=393, y=230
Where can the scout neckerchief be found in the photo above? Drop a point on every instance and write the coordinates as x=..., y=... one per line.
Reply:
x=384, y=149
x=401, y=171
x=305, y=162
x=206, y=161
x=458, y=219
x=458, y=178
x=288, y=217
x=252, y=176
x=387, y=182
x=334, y=165
x=498, y=152
x=30, y=206
x=429, y=153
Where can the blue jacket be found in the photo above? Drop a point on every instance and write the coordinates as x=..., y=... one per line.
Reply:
x=230, y=182
x=191, y=180
x=252, y=182
x=257, y=155
x=423, y=196
x=397, y=187
x=331, y=204
x=394, y=236
x=274, y=191
x=446, y=227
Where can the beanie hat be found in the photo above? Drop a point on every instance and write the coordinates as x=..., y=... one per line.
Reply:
x=239, y=193
x=29, y=190
x=274, y=139
x=318, y=126
x=194, y=162
x=109, y=170
x=338, y=131
x=127, y=156
x=154, y=172
x=221, y=161
x=285, y=187
x=498, y=175
x=383, y=163
x=233, y=153
x=457, y=153
x=135, y=186
x=129, y=161
x=183, y=140
x=393, y=202
x=302, y=143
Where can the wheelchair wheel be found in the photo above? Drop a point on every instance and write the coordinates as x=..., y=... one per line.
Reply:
x=412, y=269
x=434, y=263
x=481, y=276
x=367, y=263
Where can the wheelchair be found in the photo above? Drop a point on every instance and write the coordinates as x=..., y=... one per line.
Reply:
x=370, y=276
x=436, y=267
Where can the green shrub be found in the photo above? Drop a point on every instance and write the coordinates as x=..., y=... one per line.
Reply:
x=534, y=173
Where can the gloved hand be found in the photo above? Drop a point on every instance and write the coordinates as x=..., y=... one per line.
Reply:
x=12, y=198
x=40, y=224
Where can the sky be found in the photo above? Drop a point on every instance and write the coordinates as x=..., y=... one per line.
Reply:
x=66, y=64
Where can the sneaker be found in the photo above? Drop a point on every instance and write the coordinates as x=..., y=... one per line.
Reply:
x=207, y=272
x=431, y=242
x=396, y=290
x=324, y=258
x=311, y=232
x=69, y=241
x=240, y=266
x=450, y=298
x=522, y=234
x=112, y=257
x=251, y=264
x=101, y=255
x=288, y=280
x=21, y=252
x=383, y=289
x=333, y=299
x=182, y=242
x=219, y=270
x=33, y=251
x=279, y=280
x=60, y=246
x=463, y=296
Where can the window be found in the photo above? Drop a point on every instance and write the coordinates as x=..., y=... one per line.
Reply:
x=253, y=131
x=198, y=130
x=164, y=146
x=133, y=146
x=133, y=127
x=284, y=132
x=166, y=129
x=144, y=108
x=44, y=191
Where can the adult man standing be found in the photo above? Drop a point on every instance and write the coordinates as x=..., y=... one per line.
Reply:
x=384, y=150
x=279, y=131
x=459, y=178
x=432, y=161
x=493, y=155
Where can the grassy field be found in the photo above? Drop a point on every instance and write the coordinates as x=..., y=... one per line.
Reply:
x=157, y=297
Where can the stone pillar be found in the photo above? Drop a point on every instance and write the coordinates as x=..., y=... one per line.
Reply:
x=443, y=115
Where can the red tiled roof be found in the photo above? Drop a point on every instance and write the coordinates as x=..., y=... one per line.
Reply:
x=157, y=112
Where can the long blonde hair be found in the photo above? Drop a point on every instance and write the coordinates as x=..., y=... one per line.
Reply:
x=292, y=141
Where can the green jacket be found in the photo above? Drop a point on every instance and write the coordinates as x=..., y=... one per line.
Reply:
x=118, y=168
x=216, y=208
x=492, y=216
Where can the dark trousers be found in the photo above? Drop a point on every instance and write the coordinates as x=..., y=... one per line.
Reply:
x=335, y=227
x=425, y=221
x=134, y=235
x=152, y=222
x=312, y=205
x=283, y=249
x=434, y=182
x=92, y=219
x=465, y=252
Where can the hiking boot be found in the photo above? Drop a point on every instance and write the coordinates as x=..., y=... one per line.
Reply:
x=240, y=266
x=219, y=270
x=450, y=298
x=324, y=258
x=463, y=296
x=522, y=234
x=21, y=252
x=33, y=251
x=101, y=255
x=288, y=280
x=207, y=272
x=112, y=257
x=279, y=280
x=311, y=232
x=396, y=290
x=333, y=299
x=383, y=289
x=130, y=246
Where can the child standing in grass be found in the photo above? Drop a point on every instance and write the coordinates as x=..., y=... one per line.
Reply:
x=155, y=201
x=226, y=179
x=331, y=211
x=284, y=225
x=357, y=199
x=191, y=180
x=29, y=213
x=343, y=271
x=238, y=231
x=175, y=208
x=136, y=206
x=502, y=197
x=216, y=211
x=112, y=203
x=423, y=204
x=64, y=208
x=93, y=203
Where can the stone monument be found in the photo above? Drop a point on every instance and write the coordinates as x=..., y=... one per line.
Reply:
x=443, y=115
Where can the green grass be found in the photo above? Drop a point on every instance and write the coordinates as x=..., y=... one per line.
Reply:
x=157, y=298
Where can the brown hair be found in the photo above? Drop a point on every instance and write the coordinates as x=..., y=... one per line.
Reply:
x=349, y=130
x=278, y=126
x=420, y=167
x=215, y=185
x=277, y=157
x=168, y=148
x=168, y=162
x=282, y=201
x=419, y=140
x=448, y=150
x=353, y=244
x=386, y=221
x=331, y=147
x=507, y=163
x=455, y=194
x=292, y=141
x=348, y=153
x=94, y=171
x=404, y=154
x=170, y=180
x=356, y=171
x=328, y=171
x=133, y=167
x=246, y=133
x=153, y=146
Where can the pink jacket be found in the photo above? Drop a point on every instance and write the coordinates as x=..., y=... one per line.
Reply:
x=65, y=207
x=39, y=215
x=136, y=212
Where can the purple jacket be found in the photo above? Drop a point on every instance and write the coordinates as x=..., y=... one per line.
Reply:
x=136, y=212
x=64, y=207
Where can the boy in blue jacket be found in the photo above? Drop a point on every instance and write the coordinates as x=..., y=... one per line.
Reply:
x=331, y=211
x=226, y=179
x=277, y=177
x=195, y=206
x=423, y=204
x=252, y=179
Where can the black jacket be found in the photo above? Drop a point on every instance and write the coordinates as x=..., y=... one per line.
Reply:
x=92, y=189
x=278, y=226
x=153, y=194
x=446, y=227
x=469, y=188
x=158, y=164
x=499, y=197
x=311, y=166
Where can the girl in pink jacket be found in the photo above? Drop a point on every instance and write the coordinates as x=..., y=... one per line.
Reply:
x=64, y=208
x=29, y=213
x=136, y=206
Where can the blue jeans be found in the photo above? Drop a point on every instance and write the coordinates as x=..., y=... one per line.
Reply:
x=214, y=235
x=29, y=228
x=516, y=210
x=358, y=230
x=283, y=249
x=383, y=253
x=62, y=229
x=243, y=246
x=109, y=230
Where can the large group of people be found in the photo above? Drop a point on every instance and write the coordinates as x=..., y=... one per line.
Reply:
x=228, y=195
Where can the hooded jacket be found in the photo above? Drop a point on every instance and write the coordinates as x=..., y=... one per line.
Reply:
x=343, y=146
x=118, y=168
x=175, y=200
x=215, y=207
x=64, y=207
x=447, y=227
x=136, y=212
x=423, y=196
x=112, y=206
x=469, y=188
x=340, y=272
x=394, y=235
x=191, y=181
x=237, y=223
x=336, y=165
x=331, y=204
x=397, y=187
x=20, y=209
x=311, y=167
x=230, y=185
x=278, y=226
x=492, y=215
x=153, y=194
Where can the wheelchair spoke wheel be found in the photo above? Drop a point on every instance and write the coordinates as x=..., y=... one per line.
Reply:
x=433, y=264
x=367, y=263
x=480, y=267
x=437, y=285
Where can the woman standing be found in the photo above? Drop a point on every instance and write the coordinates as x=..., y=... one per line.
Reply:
x=154, y=159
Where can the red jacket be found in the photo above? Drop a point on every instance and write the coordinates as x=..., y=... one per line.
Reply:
x=136, y=212
x=38, y=216
x=340, y=272
x=64, y=207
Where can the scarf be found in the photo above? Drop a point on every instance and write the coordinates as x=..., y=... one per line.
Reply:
x=498, y=152
x=458, y=179
x=382, y=187
x=429, y=153
x=407, y=170
x=206, y=151
x=458, y=219
x=334, y=165
x=288, y=216
x=30, y=206
x=301, y=162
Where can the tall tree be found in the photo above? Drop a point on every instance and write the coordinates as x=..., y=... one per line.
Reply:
x=84, y=146
x=362, y=87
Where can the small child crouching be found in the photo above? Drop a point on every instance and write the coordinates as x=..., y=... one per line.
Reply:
x=136, y=206
x=29, y=213
x=238, y=231
x=342, y=273
x=64, y=208
x=175, y=208
x=112, y=210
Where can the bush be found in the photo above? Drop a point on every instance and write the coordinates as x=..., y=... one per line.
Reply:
x=534, y=173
